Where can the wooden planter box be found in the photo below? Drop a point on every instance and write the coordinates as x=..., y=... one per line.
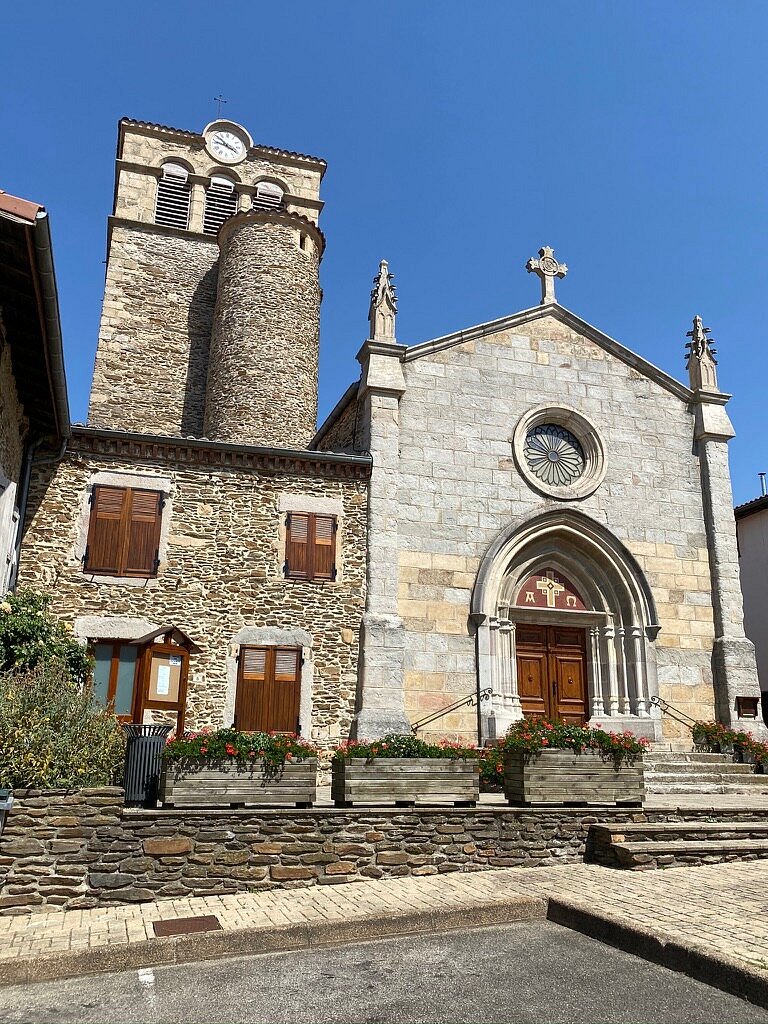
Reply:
x=406, y=781
x=565, y=778
x=229, y=784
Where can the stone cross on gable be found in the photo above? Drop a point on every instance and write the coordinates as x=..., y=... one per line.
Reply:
x=550, y=587
x=547, y=267
x=701, y=358
x=383, y=309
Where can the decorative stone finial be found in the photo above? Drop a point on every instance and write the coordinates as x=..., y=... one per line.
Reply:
x=700, y=360
x=547, y=267
x=383, y=305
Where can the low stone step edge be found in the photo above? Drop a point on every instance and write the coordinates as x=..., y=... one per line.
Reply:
x=659, y=947
x=179, y=949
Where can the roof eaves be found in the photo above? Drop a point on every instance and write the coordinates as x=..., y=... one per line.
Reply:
x=748, y=508
x=196, y=135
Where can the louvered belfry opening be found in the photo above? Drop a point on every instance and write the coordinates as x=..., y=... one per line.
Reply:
x=172, y=199
x=220, y=204
x=268, y=196
x=268, y=689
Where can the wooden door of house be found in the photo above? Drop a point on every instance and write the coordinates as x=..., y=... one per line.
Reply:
x=268, y=689
x=552, y=672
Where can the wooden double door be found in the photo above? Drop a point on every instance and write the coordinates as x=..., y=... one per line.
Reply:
x=552, y=672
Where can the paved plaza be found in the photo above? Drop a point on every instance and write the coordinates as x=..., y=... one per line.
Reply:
x=716, y=909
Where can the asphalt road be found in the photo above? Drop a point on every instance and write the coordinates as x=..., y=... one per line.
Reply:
x=522, y=972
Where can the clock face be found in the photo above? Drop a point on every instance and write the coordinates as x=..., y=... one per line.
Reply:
x=226, y=146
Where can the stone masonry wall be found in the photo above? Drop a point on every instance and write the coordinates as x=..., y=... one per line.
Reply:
x=262, y=380
x=67, y=850
x=222, y=571
x=342, y=435
x=459, y=488
x=152, y=357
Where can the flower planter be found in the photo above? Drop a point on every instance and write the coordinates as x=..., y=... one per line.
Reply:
x=231, y=783
x=405, y=781
x=566, y=778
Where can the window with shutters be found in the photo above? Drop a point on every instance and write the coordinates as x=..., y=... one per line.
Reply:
x=172, y=199
x=124, y=532
x=310, y=546
x=268, y=196
x=268, y=689
x=220, y=203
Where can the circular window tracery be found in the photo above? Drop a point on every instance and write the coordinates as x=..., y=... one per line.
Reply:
x=553, y=454
x=559, y=452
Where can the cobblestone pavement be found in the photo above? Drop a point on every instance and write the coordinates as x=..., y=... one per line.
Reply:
x=721, y=908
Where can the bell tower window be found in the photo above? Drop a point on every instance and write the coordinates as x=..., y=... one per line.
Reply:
x=172, y=199
x=220, y=203
x=268, y=196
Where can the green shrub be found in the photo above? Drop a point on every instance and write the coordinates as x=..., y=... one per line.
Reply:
x=530, y=735
x=29, y=634
x=53, y=733
x=402, y=745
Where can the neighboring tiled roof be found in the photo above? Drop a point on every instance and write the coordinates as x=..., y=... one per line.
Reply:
x=196, y=135
x=755, y=505
x=24, y=209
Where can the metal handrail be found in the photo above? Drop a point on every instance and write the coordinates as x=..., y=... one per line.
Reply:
x=469, y=701
x=669, y=709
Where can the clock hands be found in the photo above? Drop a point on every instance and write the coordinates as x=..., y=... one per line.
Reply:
x=223, y=142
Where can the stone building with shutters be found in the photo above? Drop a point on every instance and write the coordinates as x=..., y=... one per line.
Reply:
x=520, y=518
x=214, y=563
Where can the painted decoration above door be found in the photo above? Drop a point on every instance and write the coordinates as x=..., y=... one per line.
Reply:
x=550, y=589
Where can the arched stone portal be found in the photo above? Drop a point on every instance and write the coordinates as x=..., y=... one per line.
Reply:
x=612, y=604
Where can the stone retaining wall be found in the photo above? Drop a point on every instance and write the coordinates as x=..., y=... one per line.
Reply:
x=82, y=849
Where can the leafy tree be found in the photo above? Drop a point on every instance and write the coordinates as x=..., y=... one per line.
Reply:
x=29, y=634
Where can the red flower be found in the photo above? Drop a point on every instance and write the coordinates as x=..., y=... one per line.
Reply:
x=203, y=750
x=230, y=749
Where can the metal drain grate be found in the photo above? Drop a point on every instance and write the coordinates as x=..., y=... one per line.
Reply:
x=185, y=925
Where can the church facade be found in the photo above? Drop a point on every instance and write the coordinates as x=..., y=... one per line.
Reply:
x=521, y=518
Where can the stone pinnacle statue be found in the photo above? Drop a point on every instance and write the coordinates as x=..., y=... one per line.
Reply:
x=701, y=363
x=383, y=310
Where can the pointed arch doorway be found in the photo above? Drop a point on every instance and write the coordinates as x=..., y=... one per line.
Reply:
x=566, y=625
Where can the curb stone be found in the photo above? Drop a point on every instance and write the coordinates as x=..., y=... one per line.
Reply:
x=179, y=949
x=722, y=972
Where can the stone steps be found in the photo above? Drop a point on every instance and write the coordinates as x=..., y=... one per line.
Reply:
x=647, y=845
x=693, y=771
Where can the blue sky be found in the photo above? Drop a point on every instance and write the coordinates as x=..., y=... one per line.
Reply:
x=460, y=137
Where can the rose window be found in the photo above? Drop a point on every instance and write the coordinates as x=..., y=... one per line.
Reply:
x=553, y=455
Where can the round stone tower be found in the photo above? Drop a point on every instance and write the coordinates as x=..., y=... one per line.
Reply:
x=262, y=371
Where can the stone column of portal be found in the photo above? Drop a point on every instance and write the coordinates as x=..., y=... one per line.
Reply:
x=733, y=655
x=382, y=634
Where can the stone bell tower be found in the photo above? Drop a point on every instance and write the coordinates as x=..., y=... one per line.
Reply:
x=210, y=322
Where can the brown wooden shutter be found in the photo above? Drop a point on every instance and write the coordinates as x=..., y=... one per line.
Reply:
x=297, y=547
x=105, y=535
x=268, y=689
x=143, y=533
x=324, y=548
